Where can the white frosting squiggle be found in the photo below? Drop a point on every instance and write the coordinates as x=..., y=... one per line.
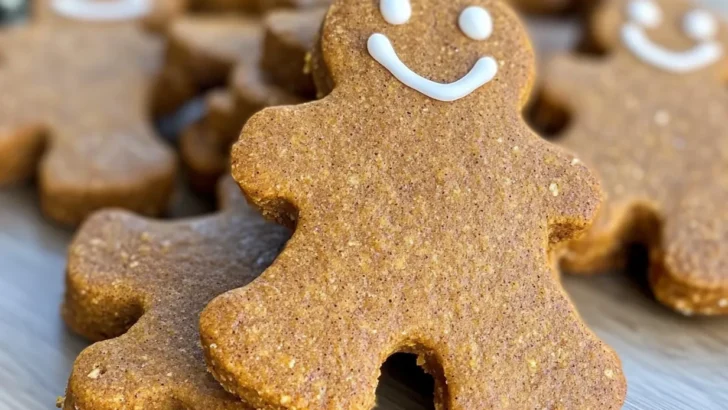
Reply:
x=483, y=71
x=700, y=56
x=102, y=10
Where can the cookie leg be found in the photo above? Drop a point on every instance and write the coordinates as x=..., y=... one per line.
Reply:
x=289, y=343
x=100, y=315
x=690, y=272
x=80, y=176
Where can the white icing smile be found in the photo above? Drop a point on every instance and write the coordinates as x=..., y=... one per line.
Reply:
x=475, y=22
x=698, y=24
x=93, y=10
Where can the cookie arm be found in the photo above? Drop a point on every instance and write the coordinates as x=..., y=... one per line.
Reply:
x=571, y=194
x=99, y=301
x=275, y=158
x=20, y=152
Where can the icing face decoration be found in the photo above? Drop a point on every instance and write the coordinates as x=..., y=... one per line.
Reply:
x=475, y=22
x=96, y=10
x=699, y=25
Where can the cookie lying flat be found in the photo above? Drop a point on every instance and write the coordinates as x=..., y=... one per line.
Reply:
x=651, y=120
x=142, y=284
x=278, y=77
x=74, y=110
x=201, y=52
x=422, y=226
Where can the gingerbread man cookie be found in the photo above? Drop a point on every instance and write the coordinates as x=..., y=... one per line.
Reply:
x=74, y=111
x=142, y=284
x=650, y=118
x=425, y=211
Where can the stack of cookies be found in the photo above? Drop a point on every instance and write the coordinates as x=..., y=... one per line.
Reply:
x=385, y=194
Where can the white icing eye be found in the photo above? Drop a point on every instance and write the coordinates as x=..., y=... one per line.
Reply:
x=476, y=23
x=700, y=25
x=395, y=11
x=645, y=13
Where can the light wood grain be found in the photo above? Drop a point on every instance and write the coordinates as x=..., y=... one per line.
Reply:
x=671, y=362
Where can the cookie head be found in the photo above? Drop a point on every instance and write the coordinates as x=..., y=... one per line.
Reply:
x=673, y=36
x=466, y=49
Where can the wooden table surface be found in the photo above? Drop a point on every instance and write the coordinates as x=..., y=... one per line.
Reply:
x=671, y=362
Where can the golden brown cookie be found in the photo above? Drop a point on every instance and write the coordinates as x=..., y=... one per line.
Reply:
x=74, y=110
x=422, y=226
x=650, y=118
x=278, y=77
x=142, y=284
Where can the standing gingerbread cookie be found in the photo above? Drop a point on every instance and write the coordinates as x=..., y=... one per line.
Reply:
x=425, y=212
x=651, y=119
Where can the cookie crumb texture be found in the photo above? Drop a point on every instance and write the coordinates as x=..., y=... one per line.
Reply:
x=73, y=111
x=142, y=284
x=659, y=142
x=419, y=228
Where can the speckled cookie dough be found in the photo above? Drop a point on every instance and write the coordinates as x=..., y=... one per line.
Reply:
x=651, y=119
x=275, y=75
x=141, y=284
x=74, y=112
x=422, y=226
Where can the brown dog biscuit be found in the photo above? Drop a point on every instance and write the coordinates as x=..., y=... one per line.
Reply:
x=142, y=284
x=422, y=226
x=279, y=77
x=79, y=119
x=650, y=118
